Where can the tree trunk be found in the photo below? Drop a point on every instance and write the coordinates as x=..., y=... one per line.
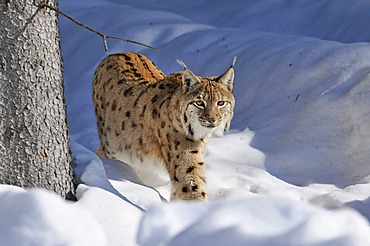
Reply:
x=34, y=137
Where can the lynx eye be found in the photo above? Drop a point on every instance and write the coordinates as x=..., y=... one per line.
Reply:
x=221, y=104
x=200, y=104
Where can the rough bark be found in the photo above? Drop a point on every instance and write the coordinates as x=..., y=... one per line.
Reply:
x=34, y=137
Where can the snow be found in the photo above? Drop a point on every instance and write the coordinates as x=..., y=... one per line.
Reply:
x=294, y=169
x=38, y=217
x=241, y=222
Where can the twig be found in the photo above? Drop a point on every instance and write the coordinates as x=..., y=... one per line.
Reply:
x=105, y=37
x=296, y=99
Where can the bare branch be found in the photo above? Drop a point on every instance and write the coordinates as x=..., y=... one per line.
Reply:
x=105, y=37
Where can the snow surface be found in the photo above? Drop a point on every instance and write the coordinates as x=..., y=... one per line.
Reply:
x=294, y=169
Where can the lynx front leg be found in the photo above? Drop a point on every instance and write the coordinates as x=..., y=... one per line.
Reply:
x=187, y=176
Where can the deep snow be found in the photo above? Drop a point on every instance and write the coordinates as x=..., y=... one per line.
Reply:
x=293, y=170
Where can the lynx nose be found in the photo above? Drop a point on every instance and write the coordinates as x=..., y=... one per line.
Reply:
x=211, y=122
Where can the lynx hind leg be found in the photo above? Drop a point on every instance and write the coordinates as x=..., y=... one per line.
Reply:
x=100, y=152
x=188, y=183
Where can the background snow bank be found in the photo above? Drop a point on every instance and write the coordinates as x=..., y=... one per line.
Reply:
x=323, y=19
x=300, y=131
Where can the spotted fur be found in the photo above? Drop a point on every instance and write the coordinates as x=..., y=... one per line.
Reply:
x=158, y=123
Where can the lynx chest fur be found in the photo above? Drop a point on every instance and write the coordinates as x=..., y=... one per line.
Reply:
x=156, y=122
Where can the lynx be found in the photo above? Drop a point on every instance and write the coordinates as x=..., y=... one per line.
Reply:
x=160, y=124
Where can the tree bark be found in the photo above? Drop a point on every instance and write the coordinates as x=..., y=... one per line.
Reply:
x=34, y=136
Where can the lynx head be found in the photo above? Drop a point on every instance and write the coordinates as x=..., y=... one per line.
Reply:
x=210, y=102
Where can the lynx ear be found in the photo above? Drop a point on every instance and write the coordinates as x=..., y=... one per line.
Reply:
x=227, y=79
x=189, y=80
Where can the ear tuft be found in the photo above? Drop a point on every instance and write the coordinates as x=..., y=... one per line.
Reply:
x=181, y=64
x=233, y=62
